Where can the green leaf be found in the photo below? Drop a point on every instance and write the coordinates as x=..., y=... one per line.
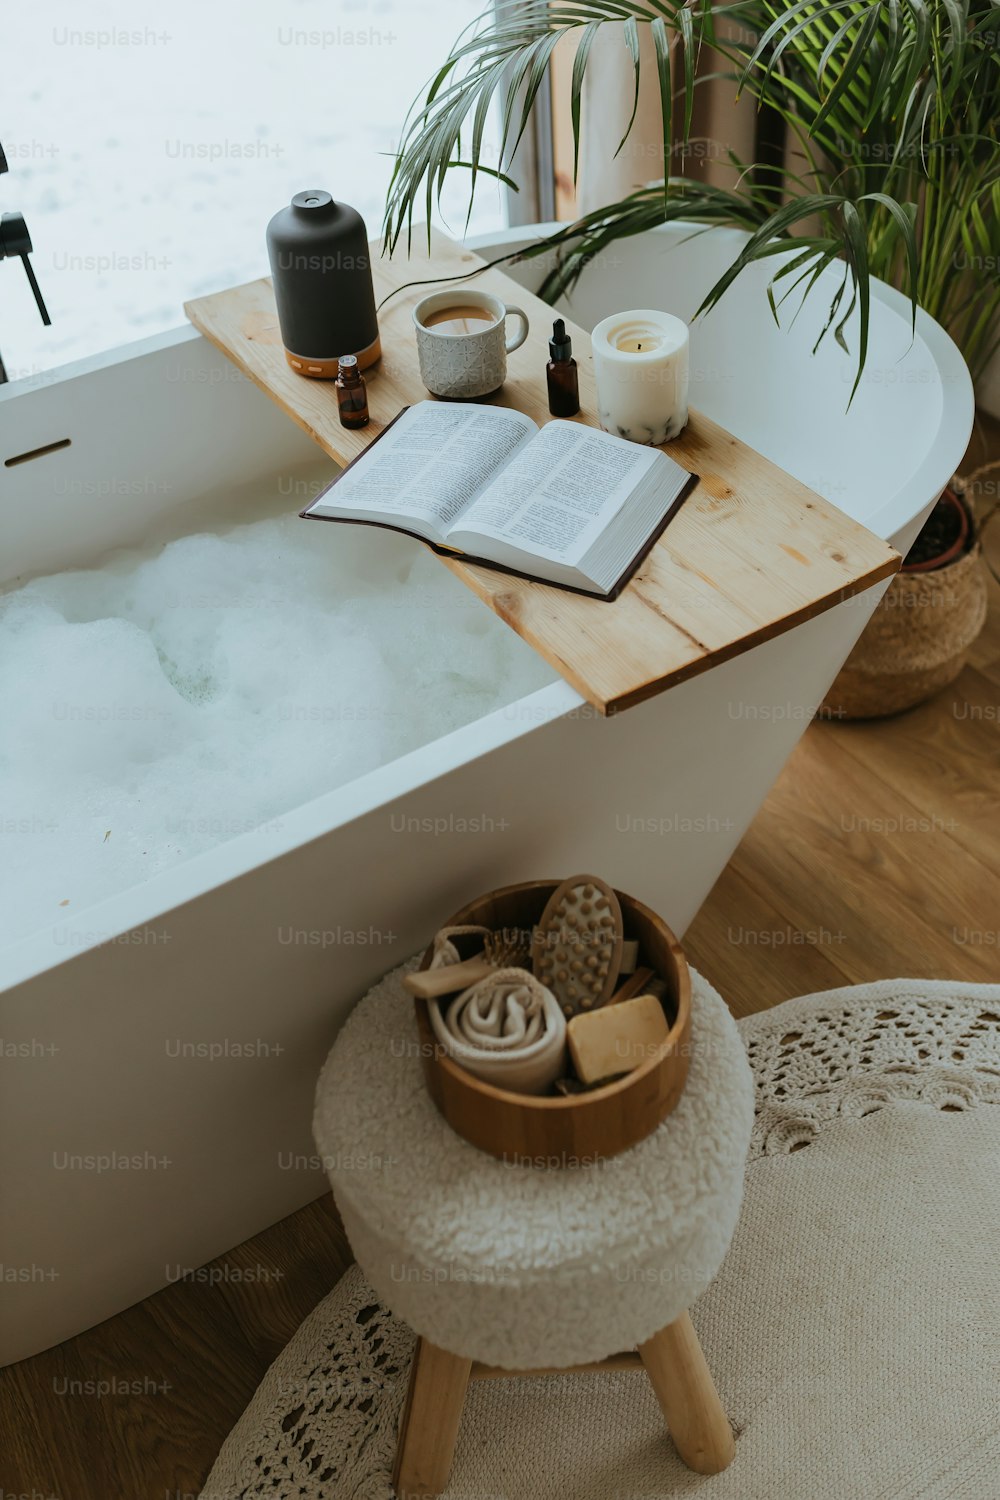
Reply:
x=829, y=255
x=632, y=42
x=586, y=41
x=856, y=249
x=661, y=46
x=831, y=47
x=832, y=311
x=904, y=216
x=690, y=58
x=851, y=64
x=774, y=30
x=918, y=48
x=767, y=240
x=806, y=258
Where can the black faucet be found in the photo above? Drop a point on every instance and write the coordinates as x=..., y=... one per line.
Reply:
x=15, y=240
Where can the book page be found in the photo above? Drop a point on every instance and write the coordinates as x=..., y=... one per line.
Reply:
x=429, y=464
x=560, y=491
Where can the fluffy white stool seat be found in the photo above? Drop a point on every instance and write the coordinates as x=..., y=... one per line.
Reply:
x=518, y=1266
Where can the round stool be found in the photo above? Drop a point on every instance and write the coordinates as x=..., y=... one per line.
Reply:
x=502, y=1268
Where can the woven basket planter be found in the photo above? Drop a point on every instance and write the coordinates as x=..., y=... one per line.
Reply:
x=916, y=642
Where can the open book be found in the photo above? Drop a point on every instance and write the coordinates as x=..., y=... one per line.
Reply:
x=566, y=502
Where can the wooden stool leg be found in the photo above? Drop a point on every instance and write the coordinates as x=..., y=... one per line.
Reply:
x=688, y=1399
x=431, y=1418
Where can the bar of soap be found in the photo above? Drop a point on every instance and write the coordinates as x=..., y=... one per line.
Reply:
x=617, y=1038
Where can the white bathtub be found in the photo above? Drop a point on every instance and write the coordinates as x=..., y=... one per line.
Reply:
x=656, y=799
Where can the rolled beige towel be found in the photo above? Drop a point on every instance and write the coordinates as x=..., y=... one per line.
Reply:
x=508, y=1029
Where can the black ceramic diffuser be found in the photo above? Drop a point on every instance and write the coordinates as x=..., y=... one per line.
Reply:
x=322, y=275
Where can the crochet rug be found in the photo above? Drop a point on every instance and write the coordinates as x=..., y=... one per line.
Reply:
x=854, y=1330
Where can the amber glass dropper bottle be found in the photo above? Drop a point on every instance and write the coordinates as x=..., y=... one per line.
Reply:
x=561, y=373
x=352, y=394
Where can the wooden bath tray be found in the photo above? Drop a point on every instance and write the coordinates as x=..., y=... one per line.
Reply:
x=751, y=553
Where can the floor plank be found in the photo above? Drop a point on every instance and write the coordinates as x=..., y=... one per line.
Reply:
x=846, y=857
x=182, y=1366
x=945, y=759
x=876, y=855
x=752, y=953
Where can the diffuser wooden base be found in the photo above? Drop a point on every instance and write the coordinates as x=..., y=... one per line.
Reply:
x=555, y=1132
x=329, y=369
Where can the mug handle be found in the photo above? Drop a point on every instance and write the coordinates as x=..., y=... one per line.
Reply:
x=515, y=340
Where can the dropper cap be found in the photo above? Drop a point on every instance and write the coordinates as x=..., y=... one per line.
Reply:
x=560, y=344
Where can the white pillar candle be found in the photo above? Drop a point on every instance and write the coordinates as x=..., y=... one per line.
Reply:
x=641, y=367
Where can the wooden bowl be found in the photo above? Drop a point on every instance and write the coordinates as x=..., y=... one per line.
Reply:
x=583, y=1128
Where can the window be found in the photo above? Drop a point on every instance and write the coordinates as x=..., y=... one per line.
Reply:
x=149, y=145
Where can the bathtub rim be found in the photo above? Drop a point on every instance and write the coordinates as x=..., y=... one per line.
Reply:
x=102, y=359
x=958, y=407
x=142, y=905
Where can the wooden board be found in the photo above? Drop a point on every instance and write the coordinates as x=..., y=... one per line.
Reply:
x=751, y=553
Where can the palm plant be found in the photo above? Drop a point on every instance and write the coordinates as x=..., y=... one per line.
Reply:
x=893, y=106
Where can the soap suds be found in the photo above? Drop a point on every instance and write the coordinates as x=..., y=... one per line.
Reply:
x=180, y=696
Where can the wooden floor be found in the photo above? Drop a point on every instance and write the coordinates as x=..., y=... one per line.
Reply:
x=877, y=855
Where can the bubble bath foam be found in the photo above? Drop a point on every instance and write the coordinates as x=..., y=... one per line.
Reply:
x=182, y=695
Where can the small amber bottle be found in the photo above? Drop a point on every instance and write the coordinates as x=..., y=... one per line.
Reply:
x=561, y=373
x=352, y=395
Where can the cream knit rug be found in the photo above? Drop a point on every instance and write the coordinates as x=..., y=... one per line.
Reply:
x=854, y=1330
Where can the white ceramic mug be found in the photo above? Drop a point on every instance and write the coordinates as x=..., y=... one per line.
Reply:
x=473, y=362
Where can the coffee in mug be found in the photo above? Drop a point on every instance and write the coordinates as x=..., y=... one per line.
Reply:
x=464, y=318
x=463, y=343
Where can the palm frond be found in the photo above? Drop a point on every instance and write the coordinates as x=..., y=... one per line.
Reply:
x=504, y=61
x=893, y=103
